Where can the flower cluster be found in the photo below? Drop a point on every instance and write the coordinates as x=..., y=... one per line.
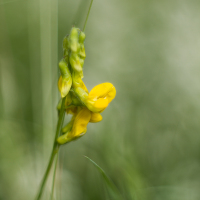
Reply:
x=84, y=106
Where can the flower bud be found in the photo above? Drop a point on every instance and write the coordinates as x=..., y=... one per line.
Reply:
x=75, y=62
x=65, y=43
x=82, y=51
x=73, y=39
x=65, y=80
x=81, y=94
x=81, y=37
x=81, y=62
x=64, y=85
x=64, y=70
x=77, y=81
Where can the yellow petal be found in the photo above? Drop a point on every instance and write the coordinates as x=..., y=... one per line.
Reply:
x=95, y=117
x=97, y=105
x=80, y=123
x=103, y=90
x=100, y=96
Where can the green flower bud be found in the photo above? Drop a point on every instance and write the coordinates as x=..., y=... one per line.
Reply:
x=81, y=37
x=65, y=43
x=73, y=39
x=82, y=51
x=64, y=70
x=75, y=62
x=81, y=94
x=81, y=62
x=65, y=53
x=65, y=80
x=77, y=80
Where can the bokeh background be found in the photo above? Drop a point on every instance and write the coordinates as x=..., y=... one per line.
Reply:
x=149, y=140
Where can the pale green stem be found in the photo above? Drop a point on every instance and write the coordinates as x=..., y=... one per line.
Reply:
x=55, y=148
x=54, y=175
x=87, y=15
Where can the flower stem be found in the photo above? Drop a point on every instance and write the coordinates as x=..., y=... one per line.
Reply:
x=87, y=15
x=55, y=148
x=54, y=175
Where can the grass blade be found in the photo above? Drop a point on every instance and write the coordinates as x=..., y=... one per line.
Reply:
x=111, y=187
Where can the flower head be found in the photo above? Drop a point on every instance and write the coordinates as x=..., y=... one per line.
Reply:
x=84, y=106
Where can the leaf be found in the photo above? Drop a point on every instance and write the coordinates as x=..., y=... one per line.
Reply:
x=112, y=188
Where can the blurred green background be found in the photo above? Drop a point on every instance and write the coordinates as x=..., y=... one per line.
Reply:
x=149, y=140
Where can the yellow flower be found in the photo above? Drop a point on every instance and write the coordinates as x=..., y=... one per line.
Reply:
x=80, y=123
x=100, y=96
x=96, y=101
x=79, y=128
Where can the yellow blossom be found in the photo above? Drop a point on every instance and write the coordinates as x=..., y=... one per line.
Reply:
x=98, y=98
x=79, y=128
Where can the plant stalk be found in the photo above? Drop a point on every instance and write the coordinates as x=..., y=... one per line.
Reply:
x=54, y=175
x=87, y=15
x=54, y=150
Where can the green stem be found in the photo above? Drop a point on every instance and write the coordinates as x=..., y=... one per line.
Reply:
x=55, y=148
x=54, y=175
x=87, y=15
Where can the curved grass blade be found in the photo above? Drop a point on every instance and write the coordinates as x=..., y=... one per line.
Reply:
x=113, y=191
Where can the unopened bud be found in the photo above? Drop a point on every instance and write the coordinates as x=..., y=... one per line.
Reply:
x=81, y=37
x=65, y=43
x=73, y=39
x=82, y=51
x=75, y=62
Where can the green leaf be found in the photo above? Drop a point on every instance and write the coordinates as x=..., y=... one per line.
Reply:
x=111, y=187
